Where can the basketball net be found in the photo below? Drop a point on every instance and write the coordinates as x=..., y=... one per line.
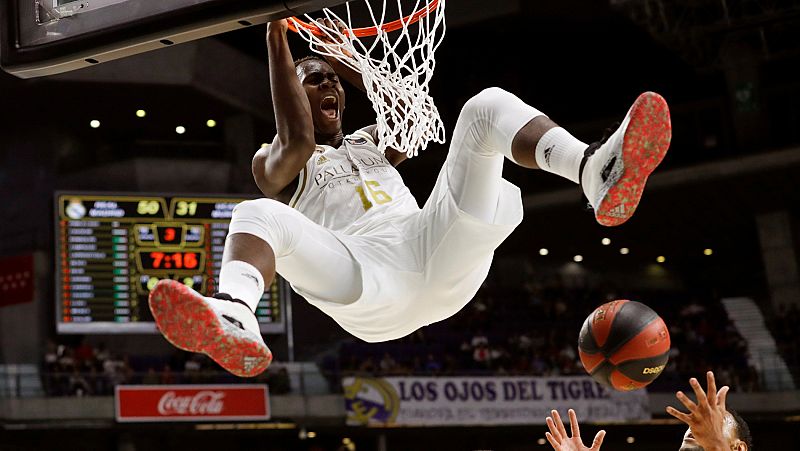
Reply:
x=396, y=66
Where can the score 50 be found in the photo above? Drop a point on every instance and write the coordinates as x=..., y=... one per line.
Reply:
x=152, y=207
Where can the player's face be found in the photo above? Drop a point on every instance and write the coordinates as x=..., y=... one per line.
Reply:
x=325, y=94
x=728, y=431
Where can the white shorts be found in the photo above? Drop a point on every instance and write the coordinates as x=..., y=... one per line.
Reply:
x=412, y=270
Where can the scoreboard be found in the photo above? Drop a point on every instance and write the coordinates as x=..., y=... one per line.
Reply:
x=114, y=248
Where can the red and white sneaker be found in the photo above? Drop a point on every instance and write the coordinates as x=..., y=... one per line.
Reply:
x=223, y=328
x=614, y=170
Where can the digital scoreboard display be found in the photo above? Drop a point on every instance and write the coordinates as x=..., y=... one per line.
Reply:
x=113, y=249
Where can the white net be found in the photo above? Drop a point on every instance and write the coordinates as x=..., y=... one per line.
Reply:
x=396, y=66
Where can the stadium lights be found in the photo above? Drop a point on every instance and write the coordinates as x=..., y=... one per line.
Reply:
x=180, y=129
x=211, y=123
x=708, y=252
x=94, y=123
x=578, y=258
x=141, y=113
x=543, y=252
x=661, y=259
x=312, y=434
x=624, y=251
x=606, y=241
x=541, y=441
x=630, y=439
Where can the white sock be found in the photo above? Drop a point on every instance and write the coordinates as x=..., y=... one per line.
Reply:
x=242, y=281
x=560, y=153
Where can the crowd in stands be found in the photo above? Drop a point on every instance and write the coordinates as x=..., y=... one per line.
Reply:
x=531, y=328
x=785, y=327
x=527, y=327
x=86, y=370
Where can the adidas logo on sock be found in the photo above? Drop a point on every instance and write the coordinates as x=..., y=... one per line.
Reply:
x=251, y=277
x=617, y=212
x=547, y=153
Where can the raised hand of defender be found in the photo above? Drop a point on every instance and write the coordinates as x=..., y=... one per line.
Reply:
x=706, y=418
x=558, y=434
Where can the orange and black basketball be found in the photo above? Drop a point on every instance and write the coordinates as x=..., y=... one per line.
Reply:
x=624, y=345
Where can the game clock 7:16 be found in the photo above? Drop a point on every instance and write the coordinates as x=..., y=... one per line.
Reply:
x=161, y=261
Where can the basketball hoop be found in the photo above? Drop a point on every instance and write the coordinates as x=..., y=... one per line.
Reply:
x=396, y=71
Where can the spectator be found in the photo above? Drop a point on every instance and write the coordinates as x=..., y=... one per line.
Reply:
x=482, y=356
x=78, y=385
x=388, y=364
x=432, y=365
x=84, y=354
x=151, y=377
x=167, y=376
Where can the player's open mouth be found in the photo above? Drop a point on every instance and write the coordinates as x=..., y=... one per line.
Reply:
x=330, y=107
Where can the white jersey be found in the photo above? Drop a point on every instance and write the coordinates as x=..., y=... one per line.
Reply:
x=353, y=188
x=418, y=266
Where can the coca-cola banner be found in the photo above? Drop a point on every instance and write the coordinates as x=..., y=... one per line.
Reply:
x=138, y=403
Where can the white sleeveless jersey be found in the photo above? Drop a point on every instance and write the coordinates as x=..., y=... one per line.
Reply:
x=418, y=266
x=353, y=188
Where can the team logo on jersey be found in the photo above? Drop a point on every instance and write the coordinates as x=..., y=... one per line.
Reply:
x=356, y=140
x=322, y=159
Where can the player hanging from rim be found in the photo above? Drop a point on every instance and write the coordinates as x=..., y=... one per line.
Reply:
x=353, y=240
x=712, y=427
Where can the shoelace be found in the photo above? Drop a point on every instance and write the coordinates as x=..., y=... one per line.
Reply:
x=588, y=153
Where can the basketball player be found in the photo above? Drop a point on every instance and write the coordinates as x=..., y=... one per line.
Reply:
x=353, y=240
x=712, y=427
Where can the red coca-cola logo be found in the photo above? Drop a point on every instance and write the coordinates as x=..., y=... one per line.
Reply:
x=203, y=403
x=192, y=403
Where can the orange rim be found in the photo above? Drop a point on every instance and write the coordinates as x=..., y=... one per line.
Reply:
x=372, y=31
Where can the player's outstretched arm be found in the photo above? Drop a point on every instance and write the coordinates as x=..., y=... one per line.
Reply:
x=274, y=168
x=706, y=418
x=559, y=439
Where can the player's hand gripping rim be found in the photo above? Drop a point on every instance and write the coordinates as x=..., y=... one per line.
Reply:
x=328, y=37
x=280, y=26
x=558, y=434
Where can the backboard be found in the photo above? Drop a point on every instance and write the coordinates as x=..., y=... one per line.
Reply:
x=46, y=37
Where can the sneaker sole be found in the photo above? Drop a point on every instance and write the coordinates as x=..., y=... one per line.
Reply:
x=188, y=322
x=644, y=146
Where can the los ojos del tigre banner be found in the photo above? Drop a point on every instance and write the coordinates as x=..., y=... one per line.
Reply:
x=442, y=401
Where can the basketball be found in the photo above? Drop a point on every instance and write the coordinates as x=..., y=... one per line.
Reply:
x=624, y=345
